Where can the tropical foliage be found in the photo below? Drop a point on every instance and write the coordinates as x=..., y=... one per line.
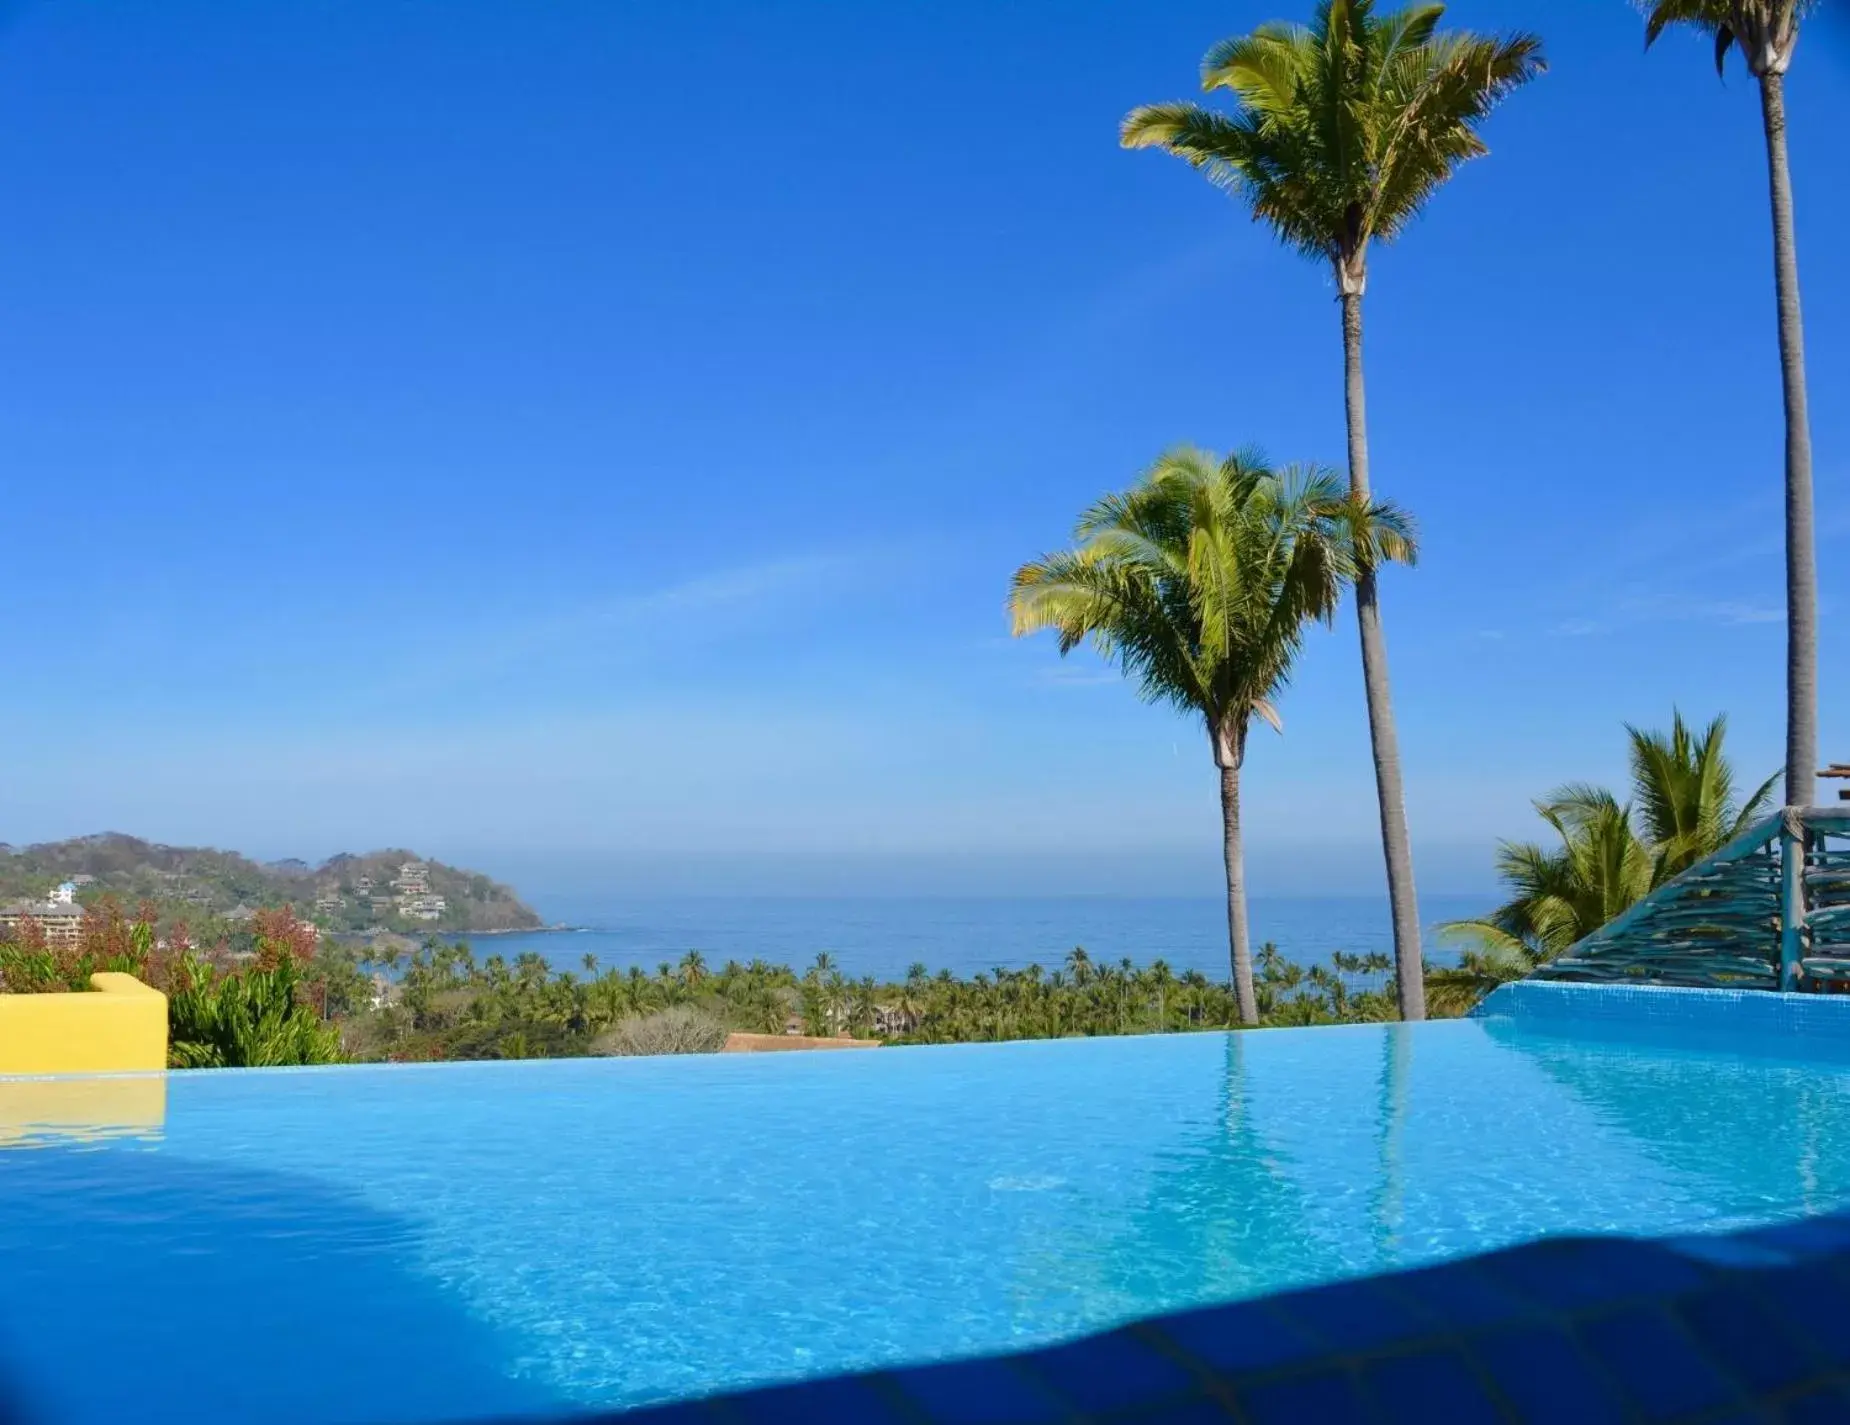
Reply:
x=1341, y=133
x=1085, y=997
x=257, y=1007
x=251, y=1018
x=1767, y=32
x=1199, y=582
x=1606, y=856
x=445, y=1004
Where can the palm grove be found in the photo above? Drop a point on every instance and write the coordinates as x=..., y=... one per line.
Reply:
x=1200, y=581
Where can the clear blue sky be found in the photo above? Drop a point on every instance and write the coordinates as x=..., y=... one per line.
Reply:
x=605, y=431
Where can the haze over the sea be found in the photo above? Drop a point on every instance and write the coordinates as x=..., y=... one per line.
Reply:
x=883, y=935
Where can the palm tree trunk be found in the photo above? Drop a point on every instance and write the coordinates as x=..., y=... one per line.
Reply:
x=1239, y=940
x=1396, y=846
x=1801, y=535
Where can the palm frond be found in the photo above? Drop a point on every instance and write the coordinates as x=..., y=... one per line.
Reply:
x=1200, y=580
x=1342, y=130
x=1119, y=610
x=1683, y=785
x=1441, y=93
x=1407, y=29
x=1661, y=15
x=1755, y=807
x=1265, y=69
x=1256, y=162
x=1611, y=854
x=1765, y=30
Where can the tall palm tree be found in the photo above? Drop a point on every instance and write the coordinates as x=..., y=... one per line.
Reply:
x=1766, y=32
x=1342, y=131
x=1199, y=582
x=1610, y=855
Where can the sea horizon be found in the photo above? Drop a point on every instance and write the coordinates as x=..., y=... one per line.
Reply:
x=882, y=935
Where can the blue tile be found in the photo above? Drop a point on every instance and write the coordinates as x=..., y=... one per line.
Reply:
x=1808, y=1237
x=1813, y=1301
x=822, y=1402
x=1826, y=1405
x=977, y=1393
x=1656, y=1362
x=1461, y=1296
x=1200, y=1411
x=1744, y=1250
x=1109, y=1372
x=1427, y=1387
x=1741, y=1337
x=1328, y=1398
x=1356, y=1316
x=1237, y=1338
x=1571, y=1273
x=1548, y=1378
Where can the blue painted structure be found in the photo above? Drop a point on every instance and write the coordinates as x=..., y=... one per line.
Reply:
x=1768, y=911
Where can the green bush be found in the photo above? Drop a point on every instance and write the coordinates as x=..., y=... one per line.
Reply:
x=246, y=1020
x=258, y=1016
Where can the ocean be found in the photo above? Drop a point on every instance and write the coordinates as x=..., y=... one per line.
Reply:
x=883, y=936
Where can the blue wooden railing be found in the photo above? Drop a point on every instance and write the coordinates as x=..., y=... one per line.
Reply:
x=1770, y=910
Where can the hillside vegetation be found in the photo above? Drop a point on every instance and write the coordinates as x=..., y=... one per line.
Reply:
x=391, y=890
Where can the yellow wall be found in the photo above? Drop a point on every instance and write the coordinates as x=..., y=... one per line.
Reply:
x=120, y=1026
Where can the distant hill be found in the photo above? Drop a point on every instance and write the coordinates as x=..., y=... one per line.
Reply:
x=390, y=890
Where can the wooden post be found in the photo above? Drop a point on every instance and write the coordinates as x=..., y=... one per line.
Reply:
x=1791, y=903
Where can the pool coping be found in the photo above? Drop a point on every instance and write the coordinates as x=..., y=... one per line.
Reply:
x=1750, y=1014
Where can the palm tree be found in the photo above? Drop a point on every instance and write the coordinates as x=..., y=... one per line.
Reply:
x=1610, y=856
x=1600, y=869
x=1199, y=583
x=1767, y=32
x=1343, y=131
x=1683, y=790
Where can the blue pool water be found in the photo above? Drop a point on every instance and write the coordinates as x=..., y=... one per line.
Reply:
x=462, y=1242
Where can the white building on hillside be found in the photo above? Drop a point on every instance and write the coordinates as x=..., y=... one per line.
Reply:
x=425, y=907
x=60, y=922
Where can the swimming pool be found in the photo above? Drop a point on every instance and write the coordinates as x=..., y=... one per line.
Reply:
x=462, y=1242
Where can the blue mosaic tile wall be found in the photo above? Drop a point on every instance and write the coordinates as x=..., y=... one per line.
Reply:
x=1743, y=1014
x=1722, y=1330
